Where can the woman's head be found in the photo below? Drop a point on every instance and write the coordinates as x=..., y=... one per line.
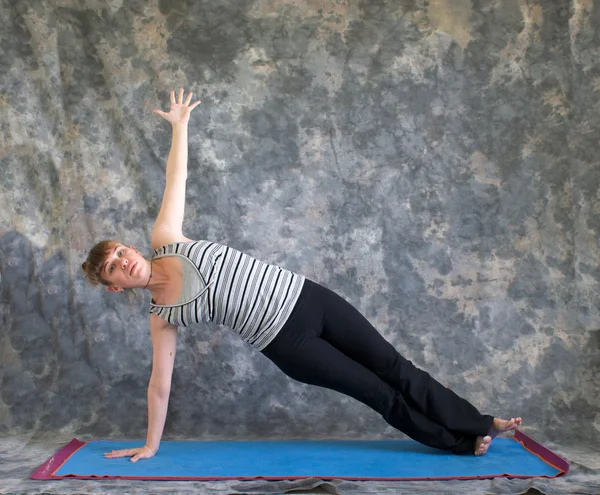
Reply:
x=92, y=267
x=115, y=265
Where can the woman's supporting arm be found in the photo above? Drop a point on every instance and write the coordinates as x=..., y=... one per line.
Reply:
x=158, y=403
x=164, y=342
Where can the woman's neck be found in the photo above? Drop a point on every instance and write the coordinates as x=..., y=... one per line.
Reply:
x=160, y=280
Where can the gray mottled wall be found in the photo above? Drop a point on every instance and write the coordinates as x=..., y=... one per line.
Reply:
x=434, y=162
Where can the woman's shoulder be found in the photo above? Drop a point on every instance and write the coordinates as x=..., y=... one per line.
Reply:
x=183, y=246
x=161, y=238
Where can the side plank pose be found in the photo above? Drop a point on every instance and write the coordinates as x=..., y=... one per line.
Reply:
x=312, y=334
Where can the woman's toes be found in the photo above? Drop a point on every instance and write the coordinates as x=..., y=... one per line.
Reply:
x=483, y=444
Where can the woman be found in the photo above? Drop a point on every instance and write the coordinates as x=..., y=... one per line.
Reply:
x=309, y=332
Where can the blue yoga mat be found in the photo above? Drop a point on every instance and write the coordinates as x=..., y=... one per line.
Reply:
x=356, y=460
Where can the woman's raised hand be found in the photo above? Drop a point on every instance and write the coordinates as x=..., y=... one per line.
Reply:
x=144, y=452
x=180, y=110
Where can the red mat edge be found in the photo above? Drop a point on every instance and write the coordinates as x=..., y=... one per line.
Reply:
x=542, y=452
x=46, y=470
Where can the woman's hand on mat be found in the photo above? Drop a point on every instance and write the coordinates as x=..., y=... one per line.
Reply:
x=144, y=452
x=180, y=110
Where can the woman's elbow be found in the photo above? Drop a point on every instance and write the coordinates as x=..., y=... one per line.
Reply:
x=160, y=388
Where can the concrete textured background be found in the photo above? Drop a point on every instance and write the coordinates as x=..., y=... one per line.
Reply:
x=432, y=161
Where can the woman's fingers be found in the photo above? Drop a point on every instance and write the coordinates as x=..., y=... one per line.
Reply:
x=135, y=454
x=139, y=456
x=180, y=98
x=180, y=110
x=118, y=453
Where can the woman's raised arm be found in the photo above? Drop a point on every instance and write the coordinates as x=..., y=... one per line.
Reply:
x=169, y=223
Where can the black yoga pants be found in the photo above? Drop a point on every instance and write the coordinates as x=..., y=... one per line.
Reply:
x=328, y=343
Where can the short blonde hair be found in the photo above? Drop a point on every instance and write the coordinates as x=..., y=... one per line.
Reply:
x=92, y=267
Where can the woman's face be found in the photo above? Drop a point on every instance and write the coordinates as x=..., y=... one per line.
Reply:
x=125, y=268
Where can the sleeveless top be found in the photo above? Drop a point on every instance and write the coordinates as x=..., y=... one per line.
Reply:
x=232, y=289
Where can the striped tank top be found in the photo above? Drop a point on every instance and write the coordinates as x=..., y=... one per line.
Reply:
x=238, y=291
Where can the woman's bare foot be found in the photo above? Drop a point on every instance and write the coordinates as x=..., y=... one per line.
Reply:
x=482, y=444
x=502, y=425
